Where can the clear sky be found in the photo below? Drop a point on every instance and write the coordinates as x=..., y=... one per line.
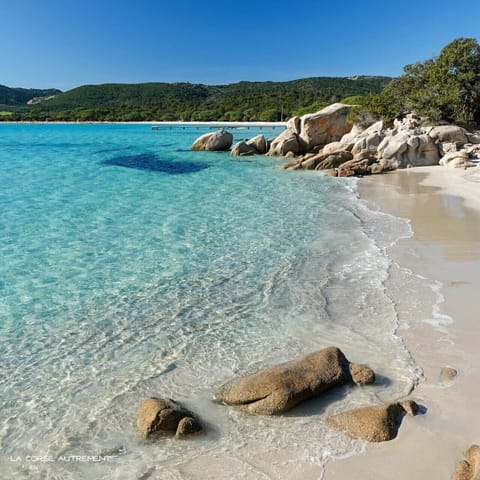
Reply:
x=67, y=43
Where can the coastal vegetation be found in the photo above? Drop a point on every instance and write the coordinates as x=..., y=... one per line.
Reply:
x=17, y=97
x=442, y=88
x=243, y=101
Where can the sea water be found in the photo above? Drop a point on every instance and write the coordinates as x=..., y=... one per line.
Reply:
x=132, y=267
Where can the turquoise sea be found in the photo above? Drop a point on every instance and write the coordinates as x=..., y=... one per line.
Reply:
x=133, y=267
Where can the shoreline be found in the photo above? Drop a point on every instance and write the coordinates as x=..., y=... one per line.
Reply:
x=153, y=122
x=443, y=207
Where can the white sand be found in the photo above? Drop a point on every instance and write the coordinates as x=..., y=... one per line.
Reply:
x=444, y=206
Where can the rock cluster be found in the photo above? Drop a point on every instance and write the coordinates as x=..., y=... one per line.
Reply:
x=278, y=389
x=157, y=416
x=377, y=423
x=327, y=141
x=377, y=149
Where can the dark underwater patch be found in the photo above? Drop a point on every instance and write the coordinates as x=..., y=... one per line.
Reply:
x=150, y=161
x=110, y=150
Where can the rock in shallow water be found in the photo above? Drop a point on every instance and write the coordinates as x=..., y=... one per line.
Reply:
x=215, y=141
x=469, y=469
x=259, y=143
x=447, y=375
x=164, y=415
x=278, y=389
x=378, y=423
x=242, y=149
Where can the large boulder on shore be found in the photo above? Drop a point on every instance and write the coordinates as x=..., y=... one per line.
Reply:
x=460, y=159
x=327, y=125
x=448, y=133
x=163, y=415
x=469, y=469
x=278, y=389
x=216, y=141
x=378, y=423
x=319, y=161
x=360, y=165
x=408, y=149
x=313, y=130
x=287, y=142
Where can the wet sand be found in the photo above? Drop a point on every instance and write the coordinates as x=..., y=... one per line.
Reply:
x=444, y=208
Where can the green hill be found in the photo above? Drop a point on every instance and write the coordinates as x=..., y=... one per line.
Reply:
x=196, y=102
x=20, y=96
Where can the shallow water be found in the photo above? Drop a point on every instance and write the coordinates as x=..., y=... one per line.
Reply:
x=132, y=267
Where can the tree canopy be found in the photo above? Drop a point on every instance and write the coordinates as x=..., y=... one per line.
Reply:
x=446, y=87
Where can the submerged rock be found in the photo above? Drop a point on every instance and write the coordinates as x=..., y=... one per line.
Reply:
x=278, y=389
x=215, y=141
x=378, y=423
x=447, y=374
x=163, y=415
x=469, y=469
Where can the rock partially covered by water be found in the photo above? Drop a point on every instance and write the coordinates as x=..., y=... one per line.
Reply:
x=447, y=374
x=163, y=415
x=255, y=146
x=259, y=143
x=216, y=141
x=287, y=142
x=469, y=469
x=378, y=423
x=278, y=389
x=241, y=149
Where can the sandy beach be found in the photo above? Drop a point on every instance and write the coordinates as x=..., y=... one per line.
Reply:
x=444, y=208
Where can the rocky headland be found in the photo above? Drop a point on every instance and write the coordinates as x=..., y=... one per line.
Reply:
x=329, y=142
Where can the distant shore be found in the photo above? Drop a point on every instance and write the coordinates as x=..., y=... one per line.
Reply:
x=161, y=124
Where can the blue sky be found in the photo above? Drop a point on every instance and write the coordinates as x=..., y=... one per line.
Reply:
x=64, y=44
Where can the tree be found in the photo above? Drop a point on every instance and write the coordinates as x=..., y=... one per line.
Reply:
x=457, y=69
x=443, y=88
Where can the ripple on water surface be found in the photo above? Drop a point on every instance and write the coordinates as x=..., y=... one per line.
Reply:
x=167, y=278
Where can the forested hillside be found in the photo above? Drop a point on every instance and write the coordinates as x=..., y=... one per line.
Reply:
x=267, y=101
x=20, y=96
